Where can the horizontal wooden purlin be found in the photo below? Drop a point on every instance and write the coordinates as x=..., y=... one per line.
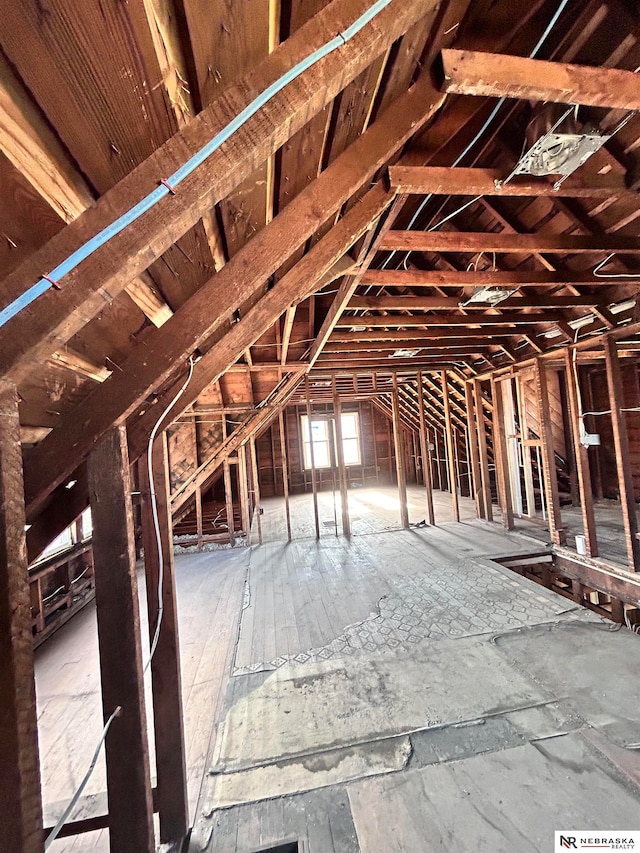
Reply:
x=494, y=75
x=448, y=320
x=441, y=334
x=502, y=242
x=430, y=303
x=369, y=350
x=31, y=336
x=449, y=180
x=384, y=365
x=414, y=343
x=484, y=278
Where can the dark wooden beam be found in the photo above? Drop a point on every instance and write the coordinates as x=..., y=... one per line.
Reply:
x=448, y=180
x=474, y=452
x=500, y=457
x=171, y=794
x=477, y=318
x=623, y=456
x=430, y=303
x=255, y=474
x=441, y=335
x=547, y=450
x=312, y=459
x=285, y=472
x=228, y=499
x=450, y=445
x=342, y=470
x=581, y=456
x=481, y=427
x=481, y=278
x=398, y=443
x=500, y=241
x=493, y=75
x=33, y=335
x=19, y=758
x=426, y=452
x=127, y=751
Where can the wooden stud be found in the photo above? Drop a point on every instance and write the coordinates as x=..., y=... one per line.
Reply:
x=314, y=484
x=126, y=746
x=597, y=468
x=342, y=470
x=199, y=516
x=500, y=457
x=285, y=472
x=449, y=444
x=171, y=787
x=255, y=474
x=623, y=457
x=556, y=530
x=399, y=451
x=479, y=278
x=19, y=759
x=474, y=451
x=228, y=497
x=526, y=448
x=243, y=473
x=581, y=456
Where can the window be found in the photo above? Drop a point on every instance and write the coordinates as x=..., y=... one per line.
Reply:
x=322, y=436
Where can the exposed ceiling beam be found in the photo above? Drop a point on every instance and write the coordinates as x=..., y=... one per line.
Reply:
x=472, y=243
x=494, y=75
x=483, y=278
x=447, y=320
x=429, y=303
x=409, y=334
x=434, y=180
x=57, y=314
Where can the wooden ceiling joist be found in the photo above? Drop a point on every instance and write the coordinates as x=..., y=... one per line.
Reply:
x=434, y=180
x=57, y=314
x=431, y=303
x=501, y=242
x=494, y=75
x=447, y=320
x=482, y=278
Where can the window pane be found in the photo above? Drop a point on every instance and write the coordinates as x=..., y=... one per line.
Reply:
x=351, y=451
x=319, y=430
x=350, y=425
x=321, y=454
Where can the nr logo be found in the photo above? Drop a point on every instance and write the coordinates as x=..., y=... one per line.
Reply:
x=568, y=842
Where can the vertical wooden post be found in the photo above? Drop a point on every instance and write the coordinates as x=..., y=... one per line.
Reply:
x=375, y=443
x=556, y=531
x=526, y=448
x=20, y=795
x=484, y=453
x=426, y=454
x=398, y=444
x=256, y=486
x=621, y=444
x=243, y=487
x=312, y=457
x=126, y=746
x=199, y=516
x=171, y=794
x=228, y=496
x=342, y=470
x=500, y=456
x=451, y=465
x=597, y=468
x=285, y=473
x=582, y=458
x=474, y=452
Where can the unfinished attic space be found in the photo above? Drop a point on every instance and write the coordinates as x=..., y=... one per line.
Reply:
x=319, y=426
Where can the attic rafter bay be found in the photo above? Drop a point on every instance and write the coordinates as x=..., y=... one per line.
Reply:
x=32, y=336
x=156, y=359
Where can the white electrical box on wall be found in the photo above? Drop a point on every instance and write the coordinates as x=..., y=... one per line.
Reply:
x=590, y=439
